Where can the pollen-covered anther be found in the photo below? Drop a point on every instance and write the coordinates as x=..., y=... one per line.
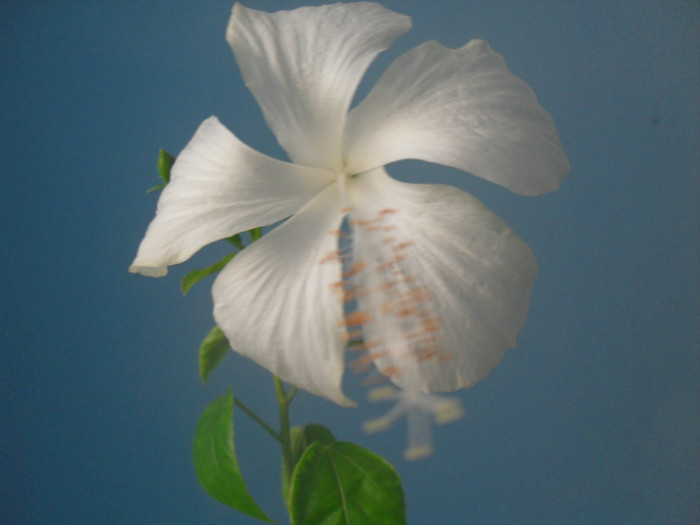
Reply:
x=419, y=295
x=337, y=287
x=361, y=222
x=402, y=246
x=430, y=325
x=387, y=287
x=357, y=318
x=383, y=267
x=424, y=356
x=334, y=256
x=354, y=269
x=354, y=292
x=390, y=371
x=362, y=364
x=406, y=312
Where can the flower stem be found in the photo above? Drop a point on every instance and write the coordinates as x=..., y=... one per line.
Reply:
x=283, y=400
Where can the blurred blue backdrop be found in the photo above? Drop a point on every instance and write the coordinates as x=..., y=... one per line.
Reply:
x=593, y=418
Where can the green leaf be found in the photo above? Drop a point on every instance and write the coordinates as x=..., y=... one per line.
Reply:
x=341, y=483
x=213, y=349
x=165, y=163
x=215, y=459
x=200, y=273
x=301, y=439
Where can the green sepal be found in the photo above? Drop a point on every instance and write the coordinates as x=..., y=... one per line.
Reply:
x=255, y=234
x=341, y=483
x=213, y=349
x=198, y=274
x=236, y=241
x=165, y=163
x=215, y=459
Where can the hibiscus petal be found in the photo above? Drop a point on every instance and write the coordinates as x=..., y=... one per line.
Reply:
x=276, y=305
x=303, y=67
x=462, y=108
x=443, y=284
x=220, y=187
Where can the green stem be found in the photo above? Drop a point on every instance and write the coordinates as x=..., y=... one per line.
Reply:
x=283, y=400
x=257, y=419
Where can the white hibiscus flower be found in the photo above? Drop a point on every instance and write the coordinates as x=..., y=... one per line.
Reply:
x=440, y=285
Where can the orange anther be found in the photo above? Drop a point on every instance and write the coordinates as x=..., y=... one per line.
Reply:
x=354, y=269
x=403, y=245
x=390, y=370
x=382, y=267
x=430, y=324
x=418, y=295
x=425, y=356
x=357, y=318
x=354, y=334
x=405, y=312
x=334, y=256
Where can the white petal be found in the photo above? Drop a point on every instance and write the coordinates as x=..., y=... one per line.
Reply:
x=443, y=284
x=462, y=108
x=276, y=305
x=220, y=187
x=303, y=66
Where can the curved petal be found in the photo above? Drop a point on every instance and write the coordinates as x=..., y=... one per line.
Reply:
x=219, y=187
x=462, y=108
x=303, y=67
x=444, y=285
x=276, y=305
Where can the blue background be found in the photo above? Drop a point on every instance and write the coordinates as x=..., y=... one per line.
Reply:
x=593, y=418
